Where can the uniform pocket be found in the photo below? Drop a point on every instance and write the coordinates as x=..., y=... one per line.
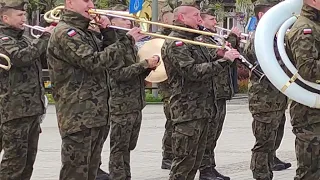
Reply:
x=183, y=137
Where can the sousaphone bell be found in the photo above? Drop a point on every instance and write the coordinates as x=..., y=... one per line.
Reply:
x=147, y=50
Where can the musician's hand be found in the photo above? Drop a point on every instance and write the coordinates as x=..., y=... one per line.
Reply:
x=136, y=34
x=103, y=22
x=153, y=61
x=236, y=31
x=232, y=55
x=49, y=29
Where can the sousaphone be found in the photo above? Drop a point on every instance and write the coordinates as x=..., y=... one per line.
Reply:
x=147, y=50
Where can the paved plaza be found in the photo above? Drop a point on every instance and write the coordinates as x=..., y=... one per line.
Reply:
x=232, y=154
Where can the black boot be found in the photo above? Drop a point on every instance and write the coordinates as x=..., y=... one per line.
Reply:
x=101, y=175
x=207, y=174
x=280, y=165
x=216, y=173
x=166, y=164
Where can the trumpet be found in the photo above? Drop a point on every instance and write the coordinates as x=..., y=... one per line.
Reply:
x=53, y=16
x=5, y=67
x=228, y=30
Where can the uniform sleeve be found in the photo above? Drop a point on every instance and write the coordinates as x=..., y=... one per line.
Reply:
x=22, y=56
x=234, y=40
x=109, y=36
x=187, y=67
x=119, y=72
x=305, y=52
x=249, y=52
x=82, y=55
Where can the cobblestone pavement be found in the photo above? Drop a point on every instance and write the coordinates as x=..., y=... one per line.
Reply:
x=233, y=149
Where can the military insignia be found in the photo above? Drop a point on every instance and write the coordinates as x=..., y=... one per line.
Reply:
x=307, y=31
x=25, y=6
x=179, y=43
x=71, y=32
x=5, y=38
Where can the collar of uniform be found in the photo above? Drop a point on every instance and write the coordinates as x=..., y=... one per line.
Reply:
x=310, y=12
x=10, y=31
x=75, y=19
x=165, y=31
x=186, y=34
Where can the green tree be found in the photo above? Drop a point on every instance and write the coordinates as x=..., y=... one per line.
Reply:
x=245, y=7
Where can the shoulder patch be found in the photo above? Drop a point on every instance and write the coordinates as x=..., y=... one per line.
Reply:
x=179, y=43
x=307, y=31
x=71, y=32
x=5, y=38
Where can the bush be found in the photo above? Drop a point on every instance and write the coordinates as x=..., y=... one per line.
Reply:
x=243, y=85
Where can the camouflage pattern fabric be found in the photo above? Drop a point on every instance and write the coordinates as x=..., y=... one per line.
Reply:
x=127, y=82
x=189, y=66
x=190, y=69
x=21, y=88
x=80, y=80
x=267, y=106
x=217, y=125
x=81, y=153
x=280, y=133
x=265, y=127
x=78, y=64
x=20, y=144
x=263, y=95
x=15, y=4
x=188, y=144
x=269, y=3
x=124, y=135
x=304, y=50
x=164, y=90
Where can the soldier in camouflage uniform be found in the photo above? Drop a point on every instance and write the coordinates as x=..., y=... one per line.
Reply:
x=166, y=17
x=190, y=69
x=267, y=105
x=21, y=92
x=304, y=51
x=78, y=64
x=223, y=92
x=127, y=101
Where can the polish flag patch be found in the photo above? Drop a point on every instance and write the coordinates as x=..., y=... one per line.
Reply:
x=179, y=43
x=307, y=31
x=71, y=32
x=5, y=38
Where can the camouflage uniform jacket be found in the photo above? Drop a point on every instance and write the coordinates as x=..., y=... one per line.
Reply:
x=78, y=64
x=223, y=80
x=190, y=69
x=303, y=48
x=263, y=95
x=127, y=76
x=164, y=88
x=21, y=88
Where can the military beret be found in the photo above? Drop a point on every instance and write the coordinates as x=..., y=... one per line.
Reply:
x=267, y=3
x=209, y=11
x=14, y=4
x=119, y=7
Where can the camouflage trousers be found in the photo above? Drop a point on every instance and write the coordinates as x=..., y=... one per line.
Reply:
x=214, y=132
x=166, y=140
x=125, y=129
x=20, y=145
x=81, y=154
x=266, y=128
x=306, y=127
x=188, y=144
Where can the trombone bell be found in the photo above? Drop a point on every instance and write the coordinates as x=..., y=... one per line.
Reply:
x=6, y=67
x=148, y=49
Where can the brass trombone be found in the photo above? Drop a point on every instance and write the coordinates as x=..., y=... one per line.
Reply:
x=53, y=16
x=5, y=67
